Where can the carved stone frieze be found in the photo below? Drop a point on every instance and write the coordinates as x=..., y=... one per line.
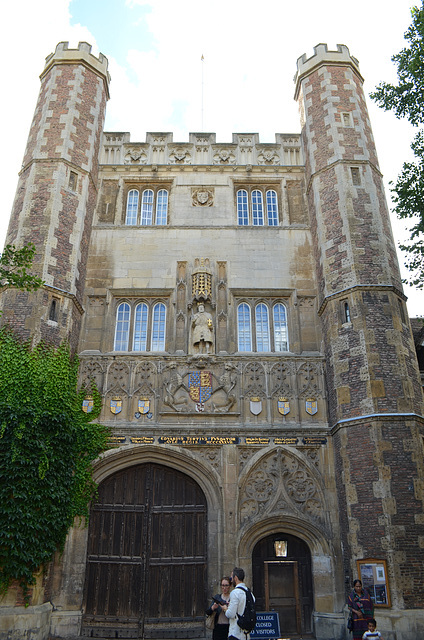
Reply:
x=282, y=379
x=281, y=483
x=211, y=455
x=224, y=156
x=144, y=378
x=269, y=157
x=179, y=155
x=118, y=377
x=93, y=371
x=135, y=155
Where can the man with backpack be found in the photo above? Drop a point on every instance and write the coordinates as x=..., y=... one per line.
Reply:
x=241, y=610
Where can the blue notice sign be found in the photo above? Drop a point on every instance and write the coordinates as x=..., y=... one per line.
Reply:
x=267, y=625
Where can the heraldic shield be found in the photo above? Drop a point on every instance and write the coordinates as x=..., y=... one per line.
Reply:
x=87, y=405
x=144, y=405
x=116, y=405
x=311, y=406
x=200, y=385
x=283, y=406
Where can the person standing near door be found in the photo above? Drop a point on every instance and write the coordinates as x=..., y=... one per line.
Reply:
x=237, y=605
x=220, y=630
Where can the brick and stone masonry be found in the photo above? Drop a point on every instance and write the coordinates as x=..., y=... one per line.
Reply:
x=372, y=374
x=57, y=193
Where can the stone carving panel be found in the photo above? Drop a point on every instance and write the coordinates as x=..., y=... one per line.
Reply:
x=202, y=197
x=281, y=483
x=254, y=380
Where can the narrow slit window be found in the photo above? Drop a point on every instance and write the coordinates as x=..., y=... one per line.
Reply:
x=346, y=312
x=73, y=181
x=356, y=176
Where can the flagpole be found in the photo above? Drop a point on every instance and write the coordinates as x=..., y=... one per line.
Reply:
x=203, y=60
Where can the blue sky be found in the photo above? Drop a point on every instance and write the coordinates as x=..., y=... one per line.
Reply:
x=154, y=50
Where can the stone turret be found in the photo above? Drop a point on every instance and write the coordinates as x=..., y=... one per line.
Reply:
x=57, y=192
x=375, y=398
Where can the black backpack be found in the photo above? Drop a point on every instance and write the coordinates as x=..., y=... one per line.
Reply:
x=247, y=620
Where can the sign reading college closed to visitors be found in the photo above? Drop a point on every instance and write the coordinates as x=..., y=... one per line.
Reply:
x=267, y=625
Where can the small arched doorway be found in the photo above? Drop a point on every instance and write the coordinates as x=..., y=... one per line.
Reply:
x=282, y=581
x=146, y=556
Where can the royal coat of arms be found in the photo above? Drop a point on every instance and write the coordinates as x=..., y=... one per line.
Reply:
x=200, y=386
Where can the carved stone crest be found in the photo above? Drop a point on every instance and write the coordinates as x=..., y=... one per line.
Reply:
x=202, y=197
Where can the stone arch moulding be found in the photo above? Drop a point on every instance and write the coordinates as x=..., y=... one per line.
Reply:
x=112, y=461
x=280, y=483
x=117, y=459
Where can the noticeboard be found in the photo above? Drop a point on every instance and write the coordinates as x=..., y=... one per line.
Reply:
x=373, y=575
x=267, y=625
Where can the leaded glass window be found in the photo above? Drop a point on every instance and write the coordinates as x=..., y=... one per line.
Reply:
x=122, y=329
x=262, y=328
x=132, y=207
x=257, y=208
x=244, y=327
x=161, y=206
x=242, y=207
x=158, y=327
x=272, y=208
x=147, y=207
x=140, y=327
x=280, y=328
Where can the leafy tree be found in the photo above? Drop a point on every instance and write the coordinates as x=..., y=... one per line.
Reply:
x=406, y=100
x=14, y=266
x=47, y=445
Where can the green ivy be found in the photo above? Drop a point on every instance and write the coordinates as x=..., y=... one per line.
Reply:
x=47, y=445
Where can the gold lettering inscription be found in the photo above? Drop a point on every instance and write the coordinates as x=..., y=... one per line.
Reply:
x=257, y=440
x=286, y=441
x=143, y=440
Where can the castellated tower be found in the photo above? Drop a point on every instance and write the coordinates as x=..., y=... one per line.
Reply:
x=374, y=395
x=57, y=192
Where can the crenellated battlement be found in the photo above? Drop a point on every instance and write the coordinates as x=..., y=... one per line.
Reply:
x=322, y=55
x=202, y=149
x=64, y=55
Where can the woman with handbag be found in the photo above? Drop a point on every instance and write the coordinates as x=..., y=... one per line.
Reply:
x=215, y=617
x=361, y=609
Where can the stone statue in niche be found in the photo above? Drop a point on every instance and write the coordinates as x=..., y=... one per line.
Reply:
x=202, y=331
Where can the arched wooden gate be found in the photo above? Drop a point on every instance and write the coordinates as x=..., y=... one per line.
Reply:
x=146, y=556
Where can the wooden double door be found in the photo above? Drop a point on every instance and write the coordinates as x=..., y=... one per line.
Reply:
x=146, y=556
